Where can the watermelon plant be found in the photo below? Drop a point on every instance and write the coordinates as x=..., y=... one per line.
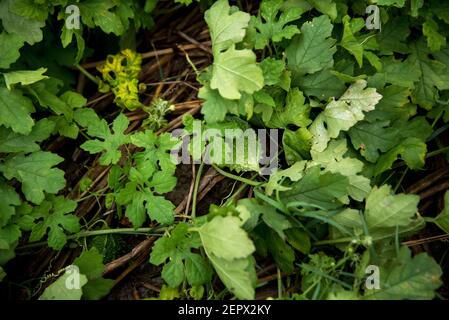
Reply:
x=351, y=203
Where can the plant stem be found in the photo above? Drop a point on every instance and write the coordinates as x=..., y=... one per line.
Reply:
x=86, y=73
x=400, y=180
x=436, y=152
x=84, y=234
x=279, y=278
x=195, y=189
x=231, y=199
x=234, y=177
x=374, y=238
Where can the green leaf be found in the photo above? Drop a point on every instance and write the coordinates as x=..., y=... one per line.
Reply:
x=373, y=60
x=299, y=240
x=31, y=9
x=328, y=7
x=90, y=264
x=276, y=221
x=296, y=145
x=98, y=13
x=66, y=39
x=23, y=218
x=9, y=236
x=442, y=220
x=162, y=182
x=435, y=41
x=64, y=104
x=294, y=112
x=249, y=210
x=15, y=111
x=10, y=45
x=372, y=137
x=152, y=172
x=73, y=99
x=439, y=9
x=24, y=77
x=313, y=49
x=21, y=27
x=98, y=288
x=235, y=275
x=319, y=189
x=350, y=42
x=415, y=5
x=166, y=247
x=223, y=238
x=86, y=117
x=393, y=105
x=215, y=107
x=384, y=209
x=9, y=199
x=55, y=216
x=396, y=3
x=282, y=253
x=433, y=75
x=64, y=127
x=342, y=114
x=272, y=70
x=274, y=28
x=225, y=29
x=396, y=72
x=322, y=84
x=197, y=269
x=136, y=201
x=333, y=160
x=393, y=37
x=173, y=273
x=317, y=269
x=36, y=173
x=110, y=142
x=412, y=150
x=168, y=293
x=409, y=278
x=150, y=5
x=14, y=142
x=59, y=290
x=235, y=71
x=294, y=173
x=160, y=209
x=177, y=248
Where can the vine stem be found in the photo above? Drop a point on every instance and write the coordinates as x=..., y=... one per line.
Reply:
x=279, y=279
x=84, y=234
x=374, y=238
x=86, y=73
x=195, y=189
x=234, y=177
x=436, y=152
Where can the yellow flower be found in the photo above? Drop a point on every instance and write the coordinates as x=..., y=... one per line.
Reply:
x=120, y=73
